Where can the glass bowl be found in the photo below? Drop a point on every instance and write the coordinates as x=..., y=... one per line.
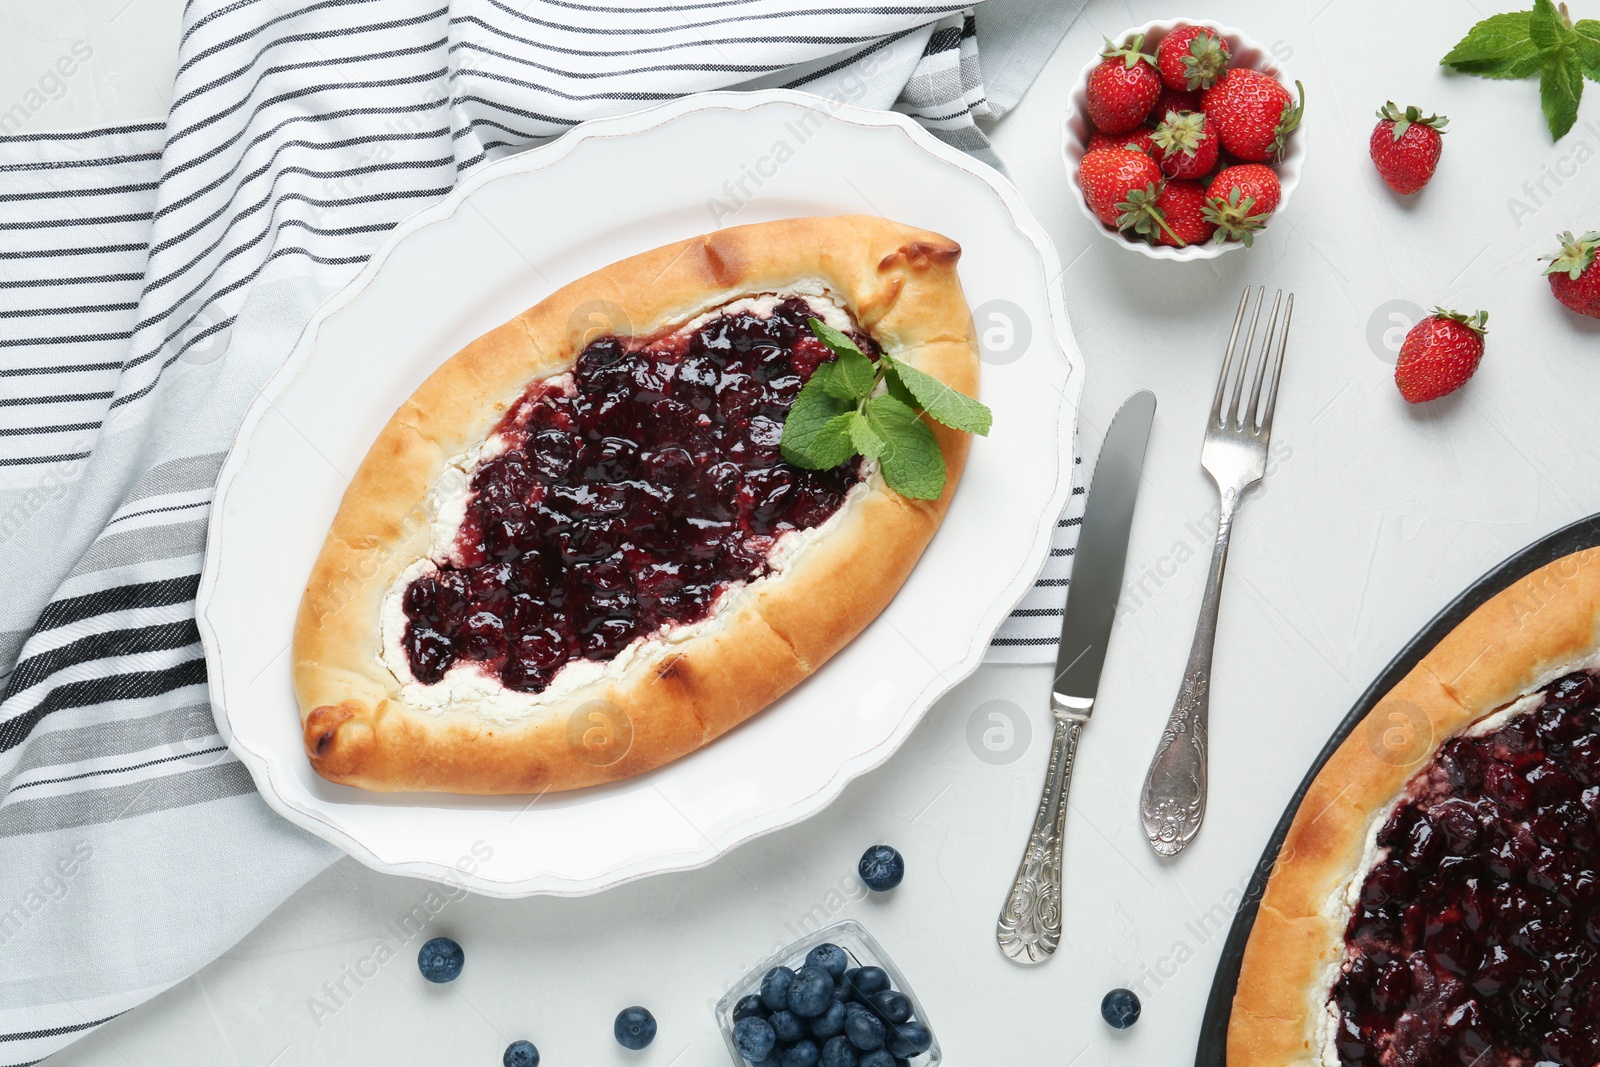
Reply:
x=863, y=950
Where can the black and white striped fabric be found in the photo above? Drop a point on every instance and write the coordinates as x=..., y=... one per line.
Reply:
x=152, y=277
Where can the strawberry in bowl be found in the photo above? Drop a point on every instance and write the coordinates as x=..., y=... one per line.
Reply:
x=1241, y=198
x=1219, y=122
x=1123, y=87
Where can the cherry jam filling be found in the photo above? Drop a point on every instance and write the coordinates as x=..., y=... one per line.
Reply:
x=1476, y=940
x=627, y=500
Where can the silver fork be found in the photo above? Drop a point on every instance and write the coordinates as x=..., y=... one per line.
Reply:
x=1235, y=456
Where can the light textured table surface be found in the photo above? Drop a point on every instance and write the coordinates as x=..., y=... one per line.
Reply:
x=1373, y=516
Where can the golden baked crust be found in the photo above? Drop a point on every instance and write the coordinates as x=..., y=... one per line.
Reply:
x=900, y=284
x=1520, y=640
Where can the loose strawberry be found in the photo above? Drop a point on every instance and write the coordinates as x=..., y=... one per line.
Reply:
x=1574, y=276
x=1253, y=114
x=1439, y=354
x=1192, y=57
x=1240, y=199
x=1182, y=205
x=1174, y=100
x=1186, y=146
x=1117, y=181
x=1405, y=146
x=1123, y=88
x=1138, y=140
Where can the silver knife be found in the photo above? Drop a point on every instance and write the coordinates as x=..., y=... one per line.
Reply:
x=1030, y=923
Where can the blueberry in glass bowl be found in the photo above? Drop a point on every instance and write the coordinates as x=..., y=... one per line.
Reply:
x=831, y=999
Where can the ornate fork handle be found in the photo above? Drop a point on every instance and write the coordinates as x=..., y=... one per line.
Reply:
x=1173, y=803
x=1030, y=923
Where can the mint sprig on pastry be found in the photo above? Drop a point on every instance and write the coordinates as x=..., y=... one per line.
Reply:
x=842, y=412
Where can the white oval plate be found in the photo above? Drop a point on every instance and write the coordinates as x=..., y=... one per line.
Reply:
x=512, y=232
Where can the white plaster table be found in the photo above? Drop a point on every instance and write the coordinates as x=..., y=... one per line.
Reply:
x=1372, y=518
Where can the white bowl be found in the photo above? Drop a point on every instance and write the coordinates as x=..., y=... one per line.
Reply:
x=1076, y=129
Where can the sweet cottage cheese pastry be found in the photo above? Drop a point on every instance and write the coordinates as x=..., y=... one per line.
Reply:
x=576, y=554
x=1438, y=896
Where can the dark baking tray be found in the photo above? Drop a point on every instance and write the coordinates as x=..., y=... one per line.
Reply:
x=1585, y=533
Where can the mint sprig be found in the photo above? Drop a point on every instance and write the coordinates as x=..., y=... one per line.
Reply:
x=1543, y=41
x=840, y=412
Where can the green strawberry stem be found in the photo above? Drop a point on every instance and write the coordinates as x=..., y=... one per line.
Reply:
x=1206, y=61
x=1181, y=131
x=1292, y=114
x=1140, y=214
x=1404, y=120
x=1576, y=254
x=1477, y=322
x=1234, y=218
x=1131, y=53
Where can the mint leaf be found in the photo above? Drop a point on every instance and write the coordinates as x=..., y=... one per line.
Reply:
x=839, y=343
x=1542, y=42
x=956, y=410
x=835, y=443
x=812, y=432
x=1500, y=46
x=838, y=385
x=898, y=390
x=821, y=375
x=854, y=377
x=1545, y=26
x=1560, y=88
x=865, y=438
x=1586, y=43
x=911, y=462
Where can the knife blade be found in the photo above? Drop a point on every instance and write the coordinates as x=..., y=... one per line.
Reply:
x=1029, y=928
x=1102, y=554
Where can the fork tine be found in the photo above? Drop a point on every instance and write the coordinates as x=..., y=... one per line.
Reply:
x=1227, y=359
x=1244, y=361
x=1277, y=369
x=1253, y=409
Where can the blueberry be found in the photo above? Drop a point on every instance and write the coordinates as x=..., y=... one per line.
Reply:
x=811, y=992
x=788, y=1028
x=775, y=988
x=748, y=1006
x=521, y=1054
x=881, y=867
x=876, y=1058
x=838, y=1052
x=910, y=1039
x=1120, y=1008
x=864, y=1029
x=830, y=958
x=635, y=1028
x=892, y=1004
x=440, y=960
x=754, y=1038
x=802, y=1054
x=830, y=1022
x=865, y=981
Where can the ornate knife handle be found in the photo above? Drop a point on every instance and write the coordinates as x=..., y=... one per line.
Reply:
x=1030, y=923
x=1173, y=803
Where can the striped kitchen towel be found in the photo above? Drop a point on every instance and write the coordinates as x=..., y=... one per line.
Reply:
x=153, y=276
